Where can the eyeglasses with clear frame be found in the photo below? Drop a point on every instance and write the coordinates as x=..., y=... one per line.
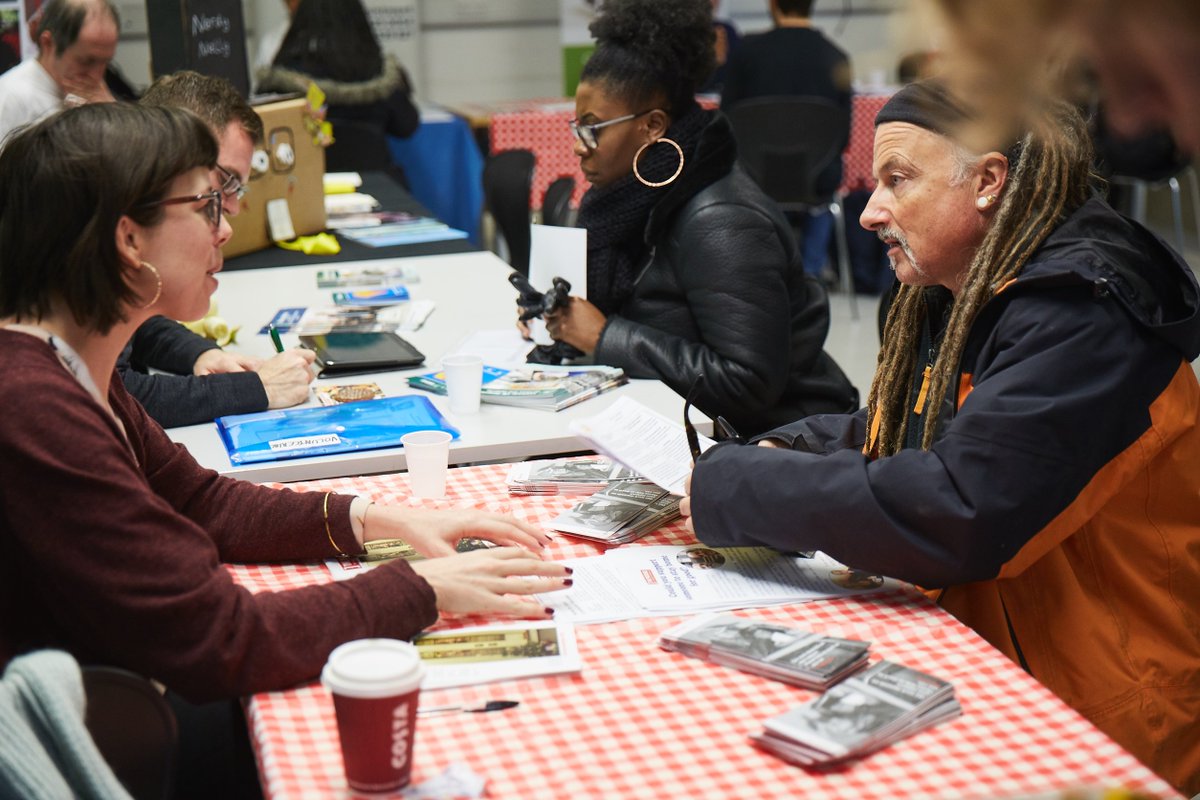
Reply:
x=231, y=184
x=586, y=134
x=212, y=208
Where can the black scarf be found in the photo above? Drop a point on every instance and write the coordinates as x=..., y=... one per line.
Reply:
x=615, y=216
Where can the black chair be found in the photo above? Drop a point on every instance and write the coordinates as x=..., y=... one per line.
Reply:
x=507, y=182
x=134, y=728
x=1149, y=161
x=786, y=144
x=556, y=203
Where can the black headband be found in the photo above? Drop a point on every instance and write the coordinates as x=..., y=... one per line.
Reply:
x=926, y=104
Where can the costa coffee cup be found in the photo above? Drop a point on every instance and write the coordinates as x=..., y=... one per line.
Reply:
x=375, y=685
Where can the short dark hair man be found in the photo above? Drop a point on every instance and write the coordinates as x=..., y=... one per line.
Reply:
x=197, y=380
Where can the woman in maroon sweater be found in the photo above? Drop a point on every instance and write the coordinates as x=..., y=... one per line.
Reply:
x=111, y=536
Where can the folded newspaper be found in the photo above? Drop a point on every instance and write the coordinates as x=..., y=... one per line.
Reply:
x=619, y=513
x=547, y=388
x=566, y=476
x=864, y=713
x=785, y=654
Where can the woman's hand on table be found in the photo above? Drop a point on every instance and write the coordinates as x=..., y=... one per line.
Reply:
x=490, y=581
x=437, y=532
x=579, y=324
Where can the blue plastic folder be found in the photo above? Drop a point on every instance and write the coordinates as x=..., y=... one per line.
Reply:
x=343, y=428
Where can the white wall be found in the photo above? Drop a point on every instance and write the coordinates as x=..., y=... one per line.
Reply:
x=501, y=49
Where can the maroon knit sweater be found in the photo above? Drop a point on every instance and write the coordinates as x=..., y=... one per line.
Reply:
x=115, y=556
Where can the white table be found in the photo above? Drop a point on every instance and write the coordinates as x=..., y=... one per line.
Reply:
x=472, y=293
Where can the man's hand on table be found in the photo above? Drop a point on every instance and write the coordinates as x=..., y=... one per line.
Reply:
x=685, y=505
x=216, y=361
x=286, y=377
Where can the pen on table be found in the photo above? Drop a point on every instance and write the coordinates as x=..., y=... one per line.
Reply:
x=275, y=338
x=490, y=705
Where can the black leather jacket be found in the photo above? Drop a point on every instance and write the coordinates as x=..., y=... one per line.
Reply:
x=721, y=292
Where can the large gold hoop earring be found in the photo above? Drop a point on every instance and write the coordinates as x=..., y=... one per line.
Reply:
x=158, y=284
x=637, y=156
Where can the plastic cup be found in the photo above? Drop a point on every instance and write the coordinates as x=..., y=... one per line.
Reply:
x=427, y=454
x=464, y=378
x=375, y=685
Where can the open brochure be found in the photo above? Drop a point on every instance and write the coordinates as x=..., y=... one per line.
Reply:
x=791, y=655
x=499, y=652
x=643, y=440
x=628, y=582
x=619, y=513
x=867, y=711
x=547, y=388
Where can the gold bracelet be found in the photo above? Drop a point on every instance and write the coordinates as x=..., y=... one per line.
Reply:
x=328, y=532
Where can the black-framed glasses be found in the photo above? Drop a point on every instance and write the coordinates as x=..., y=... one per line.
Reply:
x=586, y=134
x=212, y=208
x=231, y=184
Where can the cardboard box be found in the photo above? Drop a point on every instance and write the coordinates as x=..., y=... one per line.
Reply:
x=288, y=166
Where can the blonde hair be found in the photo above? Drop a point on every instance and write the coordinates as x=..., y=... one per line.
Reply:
x=1049, y=181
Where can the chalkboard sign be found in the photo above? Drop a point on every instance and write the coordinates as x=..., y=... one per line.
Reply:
x=207, y=36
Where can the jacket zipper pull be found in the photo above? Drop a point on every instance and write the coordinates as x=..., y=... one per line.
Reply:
x=920, y=406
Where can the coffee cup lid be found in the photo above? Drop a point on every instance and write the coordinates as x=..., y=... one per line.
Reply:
x=373, y=668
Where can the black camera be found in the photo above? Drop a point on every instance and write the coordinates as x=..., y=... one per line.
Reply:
x=534, y=304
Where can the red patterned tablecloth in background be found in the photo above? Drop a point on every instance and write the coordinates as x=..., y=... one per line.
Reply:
x=541, y=126
x=639, y=722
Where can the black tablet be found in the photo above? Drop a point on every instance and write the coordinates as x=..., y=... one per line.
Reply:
x=346, y=353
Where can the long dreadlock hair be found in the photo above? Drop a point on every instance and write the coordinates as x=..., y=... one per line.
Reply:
x=1050, y=181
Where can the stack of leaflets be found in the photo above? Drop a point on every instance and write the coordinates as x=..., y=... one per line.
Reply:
x=367, y=276
x=408, y=316
x=370, y=298
x=619, y=513
x=546, y=388
x=866, y=712
x=786, y=654
x=566, y=476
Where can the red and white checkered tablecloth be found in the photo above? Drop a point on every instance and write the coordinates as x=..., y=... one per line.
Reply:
x=541, y=126
x=639, y=722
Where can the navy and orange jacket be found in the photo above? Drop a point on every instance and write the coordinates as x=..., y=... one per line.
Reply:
x=1059, y=508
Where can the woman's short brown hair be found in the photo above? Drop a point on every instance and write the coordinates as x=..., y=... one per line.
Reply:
x=65, y=182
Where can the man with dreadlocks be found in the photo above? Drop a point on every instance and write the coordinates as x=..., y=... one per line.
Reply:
x=1031, y=445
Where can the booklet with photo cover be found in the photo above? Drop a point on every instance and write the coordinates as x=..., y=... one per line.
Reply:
x=866, y=712
x=497, y=652
x=547, y=388
x=583, y=475
x=785, y=654
x=619, y=513
x=330, y=394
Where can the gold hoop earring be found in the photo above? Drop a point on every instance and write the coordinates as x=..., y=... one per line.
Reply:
x=637, y=156
x=158, y=284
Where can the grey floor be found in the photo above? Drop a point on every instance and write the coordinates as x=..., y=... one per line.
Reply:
x=854, y=344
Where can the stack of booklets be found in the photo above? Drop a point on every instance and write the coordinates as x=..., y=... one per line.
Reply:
x=791, y=655
x=864, y=713
x=546, y=388
x=566, y=476
x=619, y=513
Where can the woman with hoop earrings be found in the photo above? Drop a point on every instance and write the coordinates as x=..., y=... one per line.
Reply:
x=692, y=270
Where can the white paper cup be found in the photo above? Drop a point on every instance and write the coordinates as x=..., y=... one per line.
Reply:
x=464, y=378
x=427, y=453
x=376, y=685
